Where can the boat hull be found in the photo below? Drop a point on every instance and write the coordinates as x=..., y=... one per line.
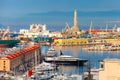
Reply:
x=3, y=45
x=64, y=62
x=8, y=43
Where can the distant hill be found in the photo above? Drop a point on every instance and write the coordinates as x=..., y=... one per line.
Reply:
x=80, y=13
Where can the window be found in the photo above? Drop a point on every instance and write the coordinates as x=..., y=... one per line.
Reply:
x=4, y=62
x=102, y=65
x=4, y=65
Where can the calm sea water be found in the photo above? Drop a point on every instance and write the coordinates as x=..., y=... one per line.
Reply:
x=77, y=51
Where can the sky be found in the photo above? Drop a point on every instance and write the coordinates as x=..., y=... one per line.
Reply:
x=55, y=13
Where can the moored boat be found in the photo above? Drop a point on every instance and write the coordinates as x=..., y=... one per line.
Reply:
x=8, y=43
x=65, y=60
x=51, y=52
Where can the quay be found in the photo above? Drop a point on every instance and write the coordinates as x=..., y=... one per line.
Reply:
x=84, y=42
x=81, y=44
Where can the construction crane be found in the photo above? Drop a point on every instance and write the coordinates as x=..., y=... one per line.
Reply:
x=65, y=31
x=114, y=28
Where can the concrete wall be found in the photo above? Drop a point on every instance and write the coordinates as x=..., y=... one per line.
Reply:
x=111, y=70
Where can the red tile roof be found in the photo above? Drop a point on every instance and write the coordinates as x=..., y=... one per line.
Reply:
x=11, y=56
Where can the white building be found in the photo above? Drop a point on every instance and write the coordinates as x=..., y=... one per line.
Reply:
x=118, y=29
x=110, y=69
x=39, y=30
x=24, y=31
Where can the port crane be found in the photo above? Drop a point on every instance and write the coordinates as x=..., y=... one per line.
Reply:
x=66, y=28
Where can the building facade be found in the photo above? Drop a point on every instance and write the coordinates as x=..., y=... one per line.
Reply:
x=20, y=59
x=110, y=69
x=37, y=28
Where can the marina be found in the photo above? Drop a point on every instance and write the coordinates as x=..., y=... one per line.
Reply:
x=43, y=48
x=94, y=56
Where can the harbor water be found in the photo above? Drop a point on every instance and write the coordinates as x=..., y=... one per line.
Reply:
x=94, y=57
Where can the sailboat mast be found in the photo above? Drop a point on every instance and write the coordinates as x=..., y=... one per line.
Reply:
x=91, y=26
x=61, y=52
x=90, y=32
x=106, y=25
x=115, y=27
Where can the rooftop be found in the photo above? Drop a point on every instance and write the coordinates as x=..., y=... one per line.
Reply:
x=112, y=60
x=16, y=51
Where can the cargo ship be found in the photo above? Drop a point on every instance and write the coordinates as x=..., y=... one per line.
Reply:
x=6, y=40
x=8, y=43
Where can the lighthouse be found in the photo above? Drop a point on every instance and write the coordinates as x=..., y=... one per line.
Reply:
x=75, y=26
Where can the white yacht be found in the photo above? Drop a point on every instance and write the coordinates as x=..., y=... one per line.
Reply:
x=51, y=52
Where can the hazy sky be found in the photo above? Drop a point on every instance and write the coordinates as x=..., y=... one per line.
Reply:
x=57, y=12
